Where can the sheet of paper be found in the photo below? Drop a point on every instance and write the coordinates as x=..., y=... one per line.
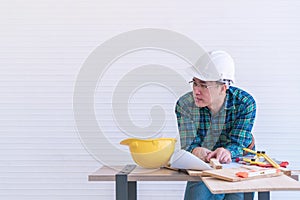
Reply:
x=185, y=160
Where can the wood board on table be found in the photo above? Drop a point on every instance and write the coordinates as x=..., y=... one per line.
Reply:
x=229, y=174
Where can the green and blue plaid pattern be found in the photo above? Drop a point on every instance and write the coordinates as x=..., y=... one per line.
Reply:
x=230, y=128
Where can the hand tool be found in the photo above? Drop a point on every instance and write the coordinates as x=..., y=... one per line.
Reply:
x=261, y=154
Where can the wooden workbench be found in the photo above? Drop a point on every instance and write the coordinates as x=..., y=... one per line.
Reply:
x=126, y=179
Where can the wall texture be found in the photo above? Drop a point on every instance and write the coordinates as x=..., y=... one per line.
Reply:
x=44, y=45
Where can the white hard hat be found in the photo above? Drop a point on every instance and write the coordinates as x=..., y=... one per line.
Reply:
x=214, y=66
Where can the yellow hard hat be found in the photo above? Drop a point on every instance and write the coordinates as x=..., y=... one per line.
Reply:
x=150, y=153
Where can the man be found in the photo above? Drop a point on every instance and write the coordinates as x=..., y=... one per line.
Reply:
x=215, y=119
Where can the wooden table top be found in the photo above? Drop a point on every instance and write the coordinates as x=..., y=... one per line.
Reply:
x=216, y=186
x=106, y=173
x=278, y=183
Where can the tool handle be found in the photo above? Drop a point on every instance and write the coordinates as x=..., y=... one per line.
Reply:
x=249, y=150
x=272, y=162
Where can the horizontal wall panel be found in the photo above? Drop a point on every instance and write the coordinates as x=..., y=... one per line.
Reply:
x=45, y=45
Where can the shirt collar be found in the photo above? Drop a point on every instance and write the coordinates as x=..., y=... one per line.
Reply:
x=229, y=100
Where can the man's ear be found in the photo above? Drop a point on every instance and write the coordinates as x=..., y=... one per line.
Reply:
x=224, y=87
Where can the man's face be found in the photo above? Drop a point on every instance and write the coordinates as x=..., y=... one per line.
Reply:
x=205, y=92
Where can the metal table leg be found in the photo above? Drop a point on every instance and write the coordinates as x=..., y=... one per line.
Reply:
x=132, y=190
x=125, y=190
x=263, y=195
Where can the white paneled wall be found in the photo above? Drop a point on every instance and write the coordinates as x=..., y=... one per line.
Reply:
x=43, y=45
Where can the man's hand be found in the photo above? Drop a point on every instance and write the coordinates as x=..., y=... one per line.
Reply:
x=201, y=153
x=221, y=154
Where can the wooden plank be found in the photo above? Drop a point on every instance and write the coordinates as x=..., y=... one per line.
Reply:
x=194, y=172
x=224, y=174
x=215, y=164
x=229, y=174
x=286, y=171
x=278, y=183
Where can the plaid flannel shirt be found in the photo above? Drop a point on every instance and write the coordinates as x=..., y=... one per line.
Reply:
x=194, y=122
